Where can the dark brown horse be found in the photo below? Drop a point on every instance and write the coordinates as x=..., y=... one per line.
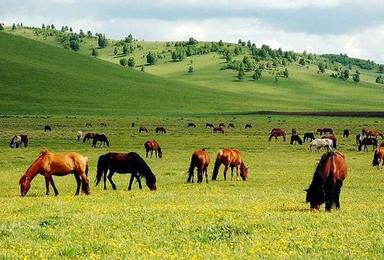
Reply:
x=324, y=131
x=50, y=164
x=346, y=133
x=209, y=125
x=191, y=125
x=309, y=136
x=19, y=140
x=47, y=128
x=375, y=134
x=327, y=181
x=218, y=130
x=248, y=126
x=102, y=138
x=124, y=163
x=88, y=137
x=378, y=156
x=294, y=131
x=222, y=125
x=230, y=158
x=276, y=132
x=365, y=142
x=151, y=146
x=199, y=160
x=296, y=139
x=333, y=138
x=142, y=129
x=161, y=130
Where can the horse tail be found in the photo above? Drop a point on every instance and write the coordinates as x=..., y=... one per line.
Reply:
x=270, y=137
x=375, y=161
x=86, y=166
x=100, y=168
x=192, y=167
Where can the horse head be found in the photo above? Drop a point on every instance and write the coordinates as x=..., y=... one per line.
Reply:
x=25, y=185
x=243, y=172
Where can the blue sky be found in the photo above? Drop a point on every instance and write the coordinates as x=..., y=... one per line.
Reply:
x=319, y=26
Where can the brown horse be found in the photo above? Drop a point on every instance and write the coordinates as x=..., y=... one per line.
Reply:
x=276, y=132
x=88, y=137
x=375, y=134
x=327, y=181
x=142, y=129
x=151, y=146
x=324, y=131
x=124, y=163
x=49, y=164
x=378, y=156
x=161, y=130
x=333, y=138
x=230, y=158
x=199, y=160
x=218, y=130
x=365, y=142
x=222, y=125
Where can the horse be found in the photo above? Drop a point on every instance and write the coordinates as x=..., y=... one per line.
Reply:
x=358, y=138
x=230, y=158
x=88, y=125
x=345, y=133
x=161, y=130
x=209, y=125
x=321, y=143
x=375, y=134
x=103, y=124
x=364, y=131
x=49, y=164
x=248, y=126
x=88, y=136
x=47, y=128
x=151, y=146
x=367, y=141
x=102, y=138
x=276, y=132
x=222, y=125
x=191, y=125
x=19, y=140
x=333, y=138
x=231, y=125
x=327, y=181
x=378, y=156
x=324, y=131
x=133, y=124
x=199, y=160
x=309, y=136
x=218, y=129
x=296, y=139
x=79, y=135
x=124, y=163
x=294, y=131
x=143, y=129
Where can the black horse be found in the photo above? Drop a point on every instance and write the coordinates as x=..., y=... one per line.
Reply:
x=191, y=125
x=248, y=126
x=124, y=163
x=366, y=141
x=231, y=125
x=102, y=138
x=296, y=139
x=209, y=125
x=133, y=124
x=309, y=136
x=47, y=128
x=346, y=133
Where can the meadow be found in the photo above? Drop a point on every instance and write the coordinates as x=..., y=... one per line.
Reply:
x=265, y=217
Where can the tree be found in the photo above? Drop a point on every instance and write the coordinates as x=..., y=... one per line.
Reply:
x=276, y=79
x=123, y=62
x=81, y=33
x=380, y=79
x=70, y=29
x=89, y=33
x=151, y=58
x=131, y=62
x=239, y=41
x=228, y=56
x=102, y=41
x=257, y=74
x=321, y=67
x=52, y=26
x=74, y=45
x=125, y=49
x=192, y=41
x=249, y=44
x=190, y=69
x=43, y=26
x=13, y=26
x=1, y=27
x=221, y=44
x=302, y=61
x=241, y=73
x=62, y=29
x=356, y=76
x=129, y=39
x=286, y=73
x=115, y=51
x=344, y=75
x=381, y=69
x=94, y=52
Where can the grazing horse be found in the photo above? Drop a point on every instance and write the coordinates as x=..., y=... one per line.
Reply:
x=199, y=160
x=309, y=136
x=19, y=140
x=333, y=138
x=366, y=141
x=248, y=126
x=364, y=131
x=124, y=163
x=358, y=138
x=276, y=132
x=222, y=125
x=133, y=124
x=88, y=136
x=324, y=131
x=321, y=143
x=47, y=128
x=294, y=131
x=378, y=156
x=191, y=125
x=296, y=139
x=161, y=130
x=79, y=135
x=103, y=124
x=209, y=125
x=375, y=134
x=230, y=158
x=218, y=129
x=102, y=138
x=61, y=164
x=327, y=181
x=88, y=125
x=346, y=133
x=231, y=125
x=143, y=129
x=151, y=146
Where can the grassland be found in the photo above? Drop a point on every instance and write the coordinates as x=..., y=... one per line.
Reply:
x=263, y=217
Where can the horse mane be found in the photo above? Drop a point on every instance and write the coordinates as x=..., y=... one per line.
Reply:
x=41, y=154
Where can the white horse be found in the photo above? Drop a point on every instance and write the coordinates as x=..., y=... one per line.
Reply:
x=79, y=135
x=321, y=143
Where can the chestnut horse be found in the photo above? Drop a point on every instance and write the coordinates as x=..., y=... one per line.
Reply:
x=151, y=146
x=161, y=130
x=276, y=132
x=124, y=163
x=232, y=158
x=327, y=181
x=375, y=134
x=88, y=136
x=324, y=131
x=218, y=129
x=378, y=157
x=49, y=164
x=143, y=129
x=199, y=160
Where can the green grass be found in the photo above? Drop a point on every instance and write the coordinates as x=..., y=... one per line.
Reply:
x=263, y=217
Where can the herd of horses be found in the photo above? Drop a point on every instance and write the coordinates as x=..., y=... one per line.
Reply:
x=325, y=187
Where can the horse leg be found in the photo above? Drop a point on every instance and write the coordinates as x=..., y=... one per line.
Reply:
x=206, y=174
x=231, y=173
x=146, y=153
x=53, y=186
x=337, y=194
x=156, y=153
x=78, y=181
x=237, y=172
x=138, y=180
x=105, y=179
x=131, y=181
x=199, y=174
x=110, y=179
x=84, y=183
x=151, y=153
x=46, y=185
x=225, y=172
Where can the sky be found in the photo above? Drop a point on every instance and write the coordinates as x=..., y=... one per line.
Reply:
x=353, y=27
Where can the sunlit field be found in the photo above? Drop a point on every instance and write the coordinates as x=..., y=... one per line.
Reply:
x=264, y=217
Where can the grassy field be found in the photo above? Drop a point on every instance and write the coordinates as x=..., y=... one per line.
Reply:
x=263, y=217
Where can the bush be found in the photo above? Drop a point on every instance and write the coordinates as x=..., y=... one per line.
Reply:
x=380, y=80
x=151, y=58
x=131, y=62
x=123, y=62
